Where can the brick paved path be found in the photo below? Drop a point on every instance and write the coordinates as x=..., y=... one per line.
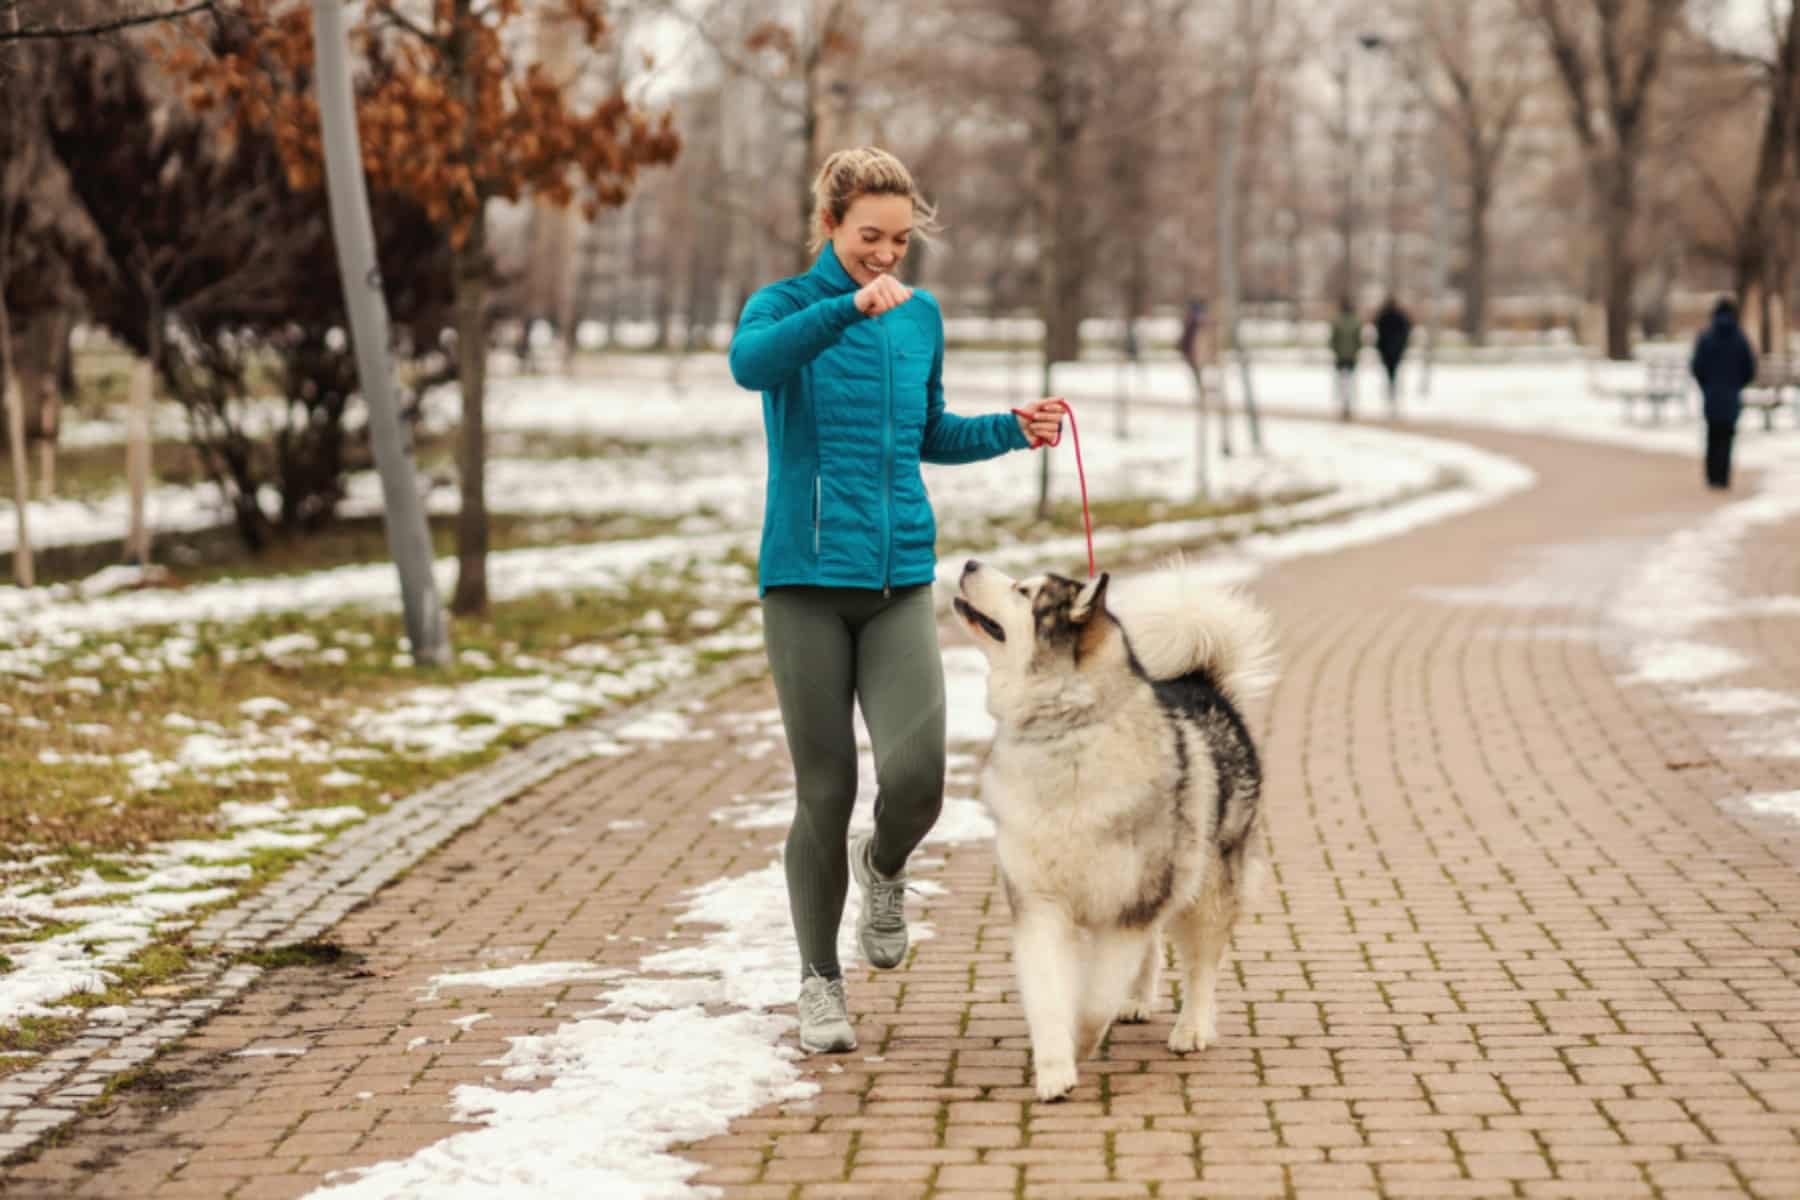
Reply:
x=1515, y=945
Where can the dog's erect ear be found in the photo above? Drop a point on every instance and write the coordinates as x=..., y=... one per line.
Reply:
x=1092, y=599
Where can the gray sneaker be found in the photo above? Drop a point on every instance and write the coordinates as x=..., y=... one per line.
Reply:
x=824, y=1016
x=881, y=928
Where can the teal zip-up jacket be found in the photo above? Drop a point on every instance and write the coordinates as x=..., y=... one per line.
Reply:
x=852, y=405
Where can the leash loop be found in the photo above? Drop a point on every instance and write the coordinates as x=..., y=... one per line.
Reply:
x=1087, y=520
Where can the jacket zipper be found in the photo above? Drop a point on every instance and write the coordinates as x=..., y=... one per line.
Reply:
x=818, y=516
x=887, y=462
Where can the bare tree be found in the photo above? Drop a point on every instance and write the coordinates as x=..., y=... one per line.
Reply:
x=1608, y=55
x=1252, y=26
x=1468, y=64
x=1765, y=239
x=1062, y=49
x=18, y=154
x=798, y=59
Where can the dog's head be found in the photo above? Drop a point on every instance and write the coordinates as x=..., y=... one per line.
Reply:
x=1044, y=628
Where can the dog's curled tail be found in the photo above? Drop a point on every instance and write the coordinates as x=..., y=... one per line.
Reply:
x=1179, y=622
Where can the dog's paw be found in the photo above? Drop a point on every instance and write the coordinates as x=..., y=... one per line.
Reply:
x=1135, y=1012
x=1055, y=1080
x=1186, y=1039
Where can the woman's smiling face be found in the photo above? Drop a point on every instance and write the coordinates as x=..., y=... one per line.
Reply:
x=872, y=238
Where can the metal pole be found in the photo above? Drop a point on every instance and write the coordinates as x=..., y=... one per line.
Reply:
x=409, y=538
x=1440, y=237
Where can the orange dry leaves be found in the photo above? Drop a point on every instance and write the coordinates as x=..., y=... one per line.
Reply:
x=446, y=116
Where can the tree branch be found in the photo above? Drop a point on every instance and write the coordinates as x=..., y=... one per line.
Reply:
x=113, y=26
x=394, y=17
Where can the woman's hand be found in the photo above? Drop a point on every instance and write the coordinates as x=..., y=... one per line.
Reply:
x=1041, y=421
x=882, y=293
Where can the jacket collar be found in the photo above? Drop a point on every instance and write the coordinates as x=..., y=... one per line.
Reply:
x=830, y=272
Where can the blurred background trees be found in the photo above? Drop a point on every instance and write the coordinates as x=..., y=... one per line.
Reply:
x=551, y=176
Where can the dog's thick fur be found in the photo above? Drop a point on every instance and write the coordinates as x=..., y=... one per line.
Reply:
x=1125, y=790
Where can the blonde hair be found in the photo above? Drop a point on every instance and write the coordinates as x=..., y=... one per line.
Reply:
x=863, y=171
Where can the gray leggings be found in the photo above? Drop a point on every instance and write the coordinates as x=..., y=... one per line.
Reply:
x=828, y=646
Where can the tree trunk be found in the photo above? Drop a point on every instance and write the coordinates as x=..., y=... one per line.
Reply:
x=1475, y=287
x=1347, y=202
x=1618, y=271
x=1202, y=473
x=470, y=267
x=1236, y=105
x=137, y=446
x=1752, y=268
x=1058, y=218
x=23, y=573
x=65, y=360
x=35, y=367
x=809, y=140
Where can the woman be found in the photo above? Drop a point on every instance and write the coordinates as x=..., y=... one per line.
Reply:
x=850, y=364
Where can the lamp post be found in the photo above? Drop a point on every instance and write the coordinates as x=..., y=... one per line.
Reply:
x=1440, y=221
x=403, y=514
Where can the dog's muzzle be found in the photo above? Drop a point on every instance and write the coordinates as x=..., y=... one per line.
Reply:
x=978, y=619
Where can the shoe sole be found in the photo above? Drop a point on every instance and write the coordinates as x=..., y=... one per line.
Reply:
x=833, y=1048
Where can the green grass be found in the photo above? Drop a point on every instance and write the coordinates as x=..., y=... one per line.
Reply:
x=364, y=540
x=33, y=1036
x=55, y=803
x=1109, y=515
x=92, y=472
x=315, y=953
x=51, y=807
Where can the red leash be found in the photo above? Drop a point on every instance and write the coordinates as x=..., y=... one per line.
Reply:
x=1080, y=472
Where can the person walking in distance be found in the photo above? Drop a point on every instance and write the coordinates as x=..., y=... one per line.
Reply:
x=1723, y=365
x=1346, y=345
x=849, y=362
x=1392, y=329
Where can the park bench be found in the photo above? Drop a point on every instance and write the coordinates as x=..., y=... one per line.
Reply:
x=1653, y=382
x=1776, y=377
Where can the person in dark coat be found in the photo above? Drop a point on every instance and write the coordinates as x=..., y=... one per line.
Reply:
x=1723, y=365
x=1392, y=328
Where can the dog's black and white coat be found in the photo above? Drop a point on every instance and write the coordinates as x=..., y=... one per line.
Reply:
x=1125, y=789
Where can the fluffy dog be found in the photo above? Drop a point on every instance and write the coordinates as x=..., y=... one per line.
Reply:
x=1125, y=790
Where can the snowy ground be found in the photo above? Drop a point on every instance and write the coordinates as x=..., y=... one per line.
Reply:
x=66, y=639
x=735, y=1061
x=689, y=1037
x=706, y=430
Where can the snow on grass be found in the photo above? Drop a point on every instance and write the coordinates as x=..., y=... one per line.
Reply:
x=55, y=612
x=1159, y=459
x=439, y=721
x=1553, y=398
x=68, y=934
